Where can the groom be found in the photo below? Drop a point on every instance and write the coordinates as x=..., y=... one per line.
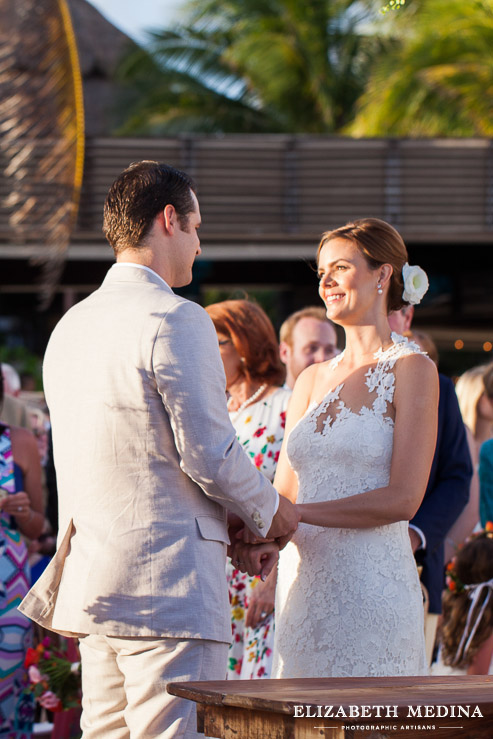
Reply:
x=147, y=463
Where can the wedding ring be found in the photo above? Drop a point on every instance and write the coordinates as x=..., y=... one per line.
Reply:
x=19, y=508
x=263, y=614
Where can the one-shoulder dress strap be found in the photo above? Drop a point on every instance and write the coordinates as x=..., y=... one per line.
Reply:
x=380, y=379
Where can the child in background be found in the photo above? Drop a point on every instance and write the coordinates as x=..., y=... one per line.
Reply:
x=466, y=646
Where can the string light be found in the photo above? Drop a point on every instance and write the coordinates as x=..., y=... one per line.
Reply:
x=458, y=344
x=487, y=346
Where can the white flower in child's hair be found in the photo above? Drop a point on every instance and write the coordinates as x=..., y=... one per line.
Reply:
x=415, y=283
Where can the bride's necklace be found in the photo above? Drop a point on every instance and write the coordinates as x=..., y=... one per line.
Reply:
x=234, y=414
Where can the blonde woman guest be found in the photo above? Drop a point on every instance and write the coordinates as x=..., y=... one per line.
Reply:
x=360, y=437
x=257, y=408
x=474, y=388
x=485, y=466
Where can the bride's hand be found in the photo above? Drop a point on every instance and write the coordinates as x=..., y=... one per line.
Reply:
x=248, y=537
x=261, y=601
x=256, y=559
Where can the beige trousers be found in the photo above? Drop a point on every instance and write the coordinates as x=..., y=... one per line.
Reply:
x=124, y=685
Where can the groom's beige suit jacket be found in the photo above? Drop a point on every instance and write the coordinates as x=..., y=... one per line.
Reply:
x=147, y=463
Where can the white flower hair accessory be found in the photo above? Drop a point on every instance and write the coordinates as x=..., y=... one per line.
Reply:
x=415, y=283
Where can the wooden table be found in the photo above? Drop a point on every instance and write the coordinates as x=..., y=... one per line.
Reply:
x=265, y=709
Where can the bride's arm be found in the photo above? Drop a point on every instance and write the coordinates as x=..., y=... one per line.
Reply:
x=415, y=430
x=285, y=481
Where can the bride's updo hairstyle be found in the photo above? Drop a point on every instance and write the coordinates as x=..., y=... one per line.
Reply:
x=379, y=243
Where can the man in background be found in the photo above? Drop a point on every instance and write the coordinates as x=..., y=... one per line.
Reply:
x=306, y=337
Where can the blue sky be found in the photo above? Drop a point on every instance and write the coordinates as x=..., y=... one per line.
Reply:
x=135, y=16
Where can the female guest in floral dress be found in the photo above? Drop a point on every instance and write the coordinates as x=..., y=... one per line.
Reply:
x=257, y=408
x=20, y=513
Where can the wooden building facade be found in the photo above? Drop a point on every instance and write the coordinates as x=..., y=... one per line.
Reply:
x=265, y=200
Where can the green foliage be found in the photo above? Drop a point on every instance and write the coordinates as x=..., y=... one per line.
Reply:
x=393, y=5
x=253, y=66
x=323, y=66
x=437, y=76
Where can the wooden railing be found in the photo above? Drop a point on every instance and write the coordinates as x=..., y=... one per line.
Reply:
x=277, y=193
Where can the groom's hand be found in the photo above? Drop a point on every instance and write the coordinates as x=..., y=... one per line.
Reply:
x=236, y=526
x=284, y=523
x=283, y=526
x=255, y=559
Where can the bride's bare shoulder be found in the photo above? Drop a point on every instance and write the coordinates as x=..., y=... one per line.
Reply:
x=311, y=379
x=416, y=374
x=417, y=363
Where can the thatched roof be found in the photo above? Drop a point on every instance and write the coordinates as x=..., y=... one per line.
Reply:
x=100, y=45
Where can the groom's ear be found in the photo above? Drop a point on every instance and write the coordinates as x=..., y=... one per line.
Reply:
x=169, y=219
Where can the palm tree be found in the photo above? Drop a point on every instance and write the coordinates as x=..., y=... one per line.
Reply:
x=42, y=125
x=253, y=66
x=438, y=81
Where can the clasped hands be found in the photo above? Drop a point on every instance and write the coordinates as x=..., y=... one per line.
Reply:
x=257, y=556
x=255, y=559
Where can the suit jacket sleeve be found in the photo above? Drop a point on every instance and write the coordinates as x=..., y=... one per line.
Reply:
x=486, y=482
x=190, y=379
x=448, y=488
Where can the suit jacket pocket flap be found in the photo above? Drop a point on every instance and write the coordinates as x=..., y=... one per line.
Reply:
x=212, y=528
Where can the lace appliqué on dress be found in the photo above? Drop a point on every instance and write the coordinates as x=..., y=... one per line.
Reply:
x=381, y=379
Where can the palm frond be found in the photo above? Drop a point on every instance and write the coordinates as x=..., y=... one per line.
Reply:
x=438, y=81
x=41, y=120
x=277, y=63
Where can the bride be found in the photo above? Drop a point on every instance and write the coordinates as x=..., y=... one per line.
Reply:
x=360, y=437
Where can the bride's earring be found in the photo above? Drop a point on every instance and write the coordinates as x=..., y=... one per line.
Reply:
x=379, y=289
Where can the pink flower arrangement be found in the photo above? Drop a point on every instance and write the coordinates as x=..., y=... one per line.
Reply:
x=54, y=678
x=34, y=675
x=50, y=701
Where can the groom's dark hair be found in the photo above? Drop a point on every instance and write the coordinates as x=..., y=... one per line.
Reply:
x=137, y=195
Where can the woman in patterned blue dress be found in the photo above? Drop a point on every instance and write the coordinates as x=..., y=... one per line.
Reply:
x=20, y=514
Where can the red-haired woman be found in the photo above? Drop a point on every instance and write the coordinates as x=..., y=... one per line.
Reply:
x=257, y=406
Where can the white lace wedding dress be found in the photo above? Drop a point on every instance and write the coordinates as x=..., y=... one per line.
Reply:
x=349, y=601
